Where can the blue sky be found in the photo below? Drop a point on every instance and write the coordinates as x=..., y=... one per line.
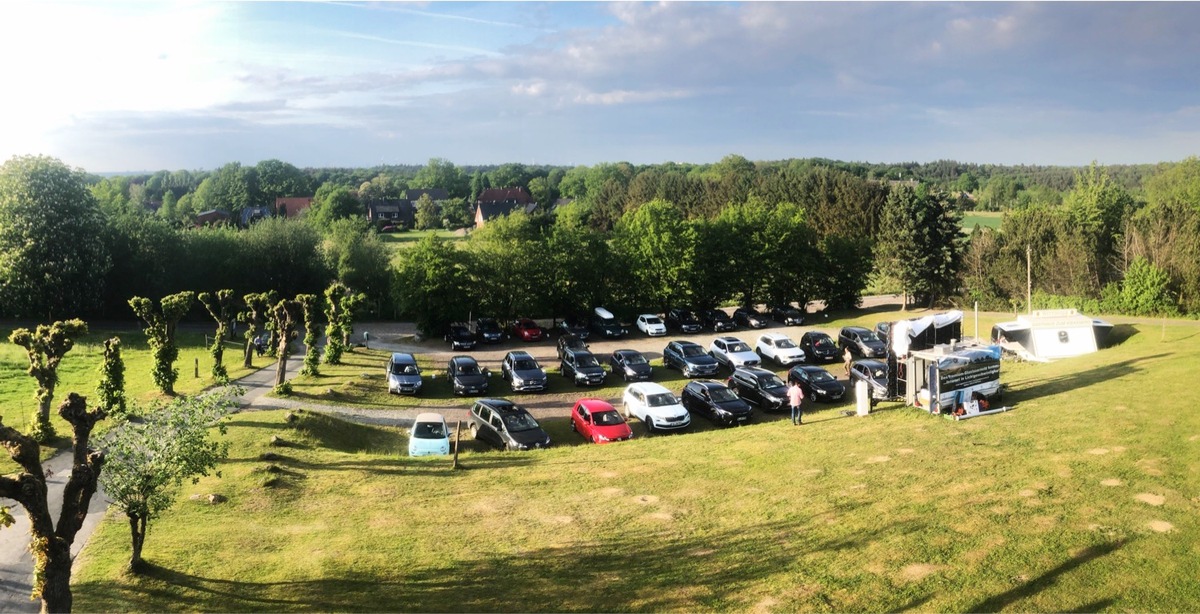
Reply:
x=140, y=86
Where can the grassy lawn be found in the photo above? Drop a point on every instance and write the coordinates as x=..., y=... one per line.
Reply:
x=990, y=219
x=396, y=241
x=1085, y=497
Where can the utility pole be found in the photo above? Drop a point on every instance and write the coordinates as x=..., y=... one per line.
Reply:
x=1029, y=278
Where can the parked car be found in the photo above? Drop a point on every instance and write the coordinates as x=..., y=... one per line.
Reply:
x=780, y=348
x=605, y=324
x=651, y=325
x=522, y=372
x=733, y=353
x=466, y=377
x=569, y=342
x=882, y=329
x=631, y=365
x=574, y=325
x=690, y=358
x=488, y=330
x=875, y=374
x=717, y=320
x=683, y=320
x=819, y=347
x=527, y=330
x=508, y=426
x=715, y=401
x=582, y=368
x=862, y=342
x=460, y=337
x=749, y=317
x=787, y=315
x=598, y=422
x=760, y=387
x=658, y=408
x=817, y=383
x=403, y=374
x=429, y=436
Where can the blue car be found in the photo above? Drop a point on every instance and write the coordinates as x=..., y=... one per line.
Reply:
x=429, y=436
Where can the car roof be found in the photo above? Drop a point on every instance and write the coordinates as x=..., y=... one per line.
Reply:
x=755, y=371
x=649, y=315
x=594, y=405
x=403, y=357
x=578, y=351
x=684, y=343
x=648, y=387
x=773, y=336
x=626, y=351
x=706, y=383
x=519, y=354
x=808, y=368
x=501, y=404
x=462, y=359
x=815, y=333
x=729, y=339
x=872, y=364
x=857, y=329
x=429, y=417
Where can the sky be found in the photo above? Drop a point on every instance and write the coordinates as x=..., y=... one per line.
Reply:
x=121, y=86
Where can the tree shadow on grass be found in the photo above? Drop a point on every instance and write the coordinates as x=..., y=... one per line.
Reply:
x=651, y=569
x=1074, y=381
x=1013, y=596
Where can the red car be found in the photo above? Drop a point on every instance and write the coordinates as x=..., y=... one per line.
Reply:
x=598, y=422
x=527, y=330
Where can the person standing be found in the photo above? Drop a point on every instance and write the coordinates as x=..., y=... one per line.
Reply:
x=848, y=356
x=795, y=396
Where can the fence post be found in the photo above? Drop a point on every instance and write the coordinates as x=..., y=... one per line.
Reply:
x=457, y=436
x=197, y=368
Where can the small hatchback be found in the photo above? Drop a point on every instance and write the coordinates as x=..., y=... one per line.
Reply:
x=598, y=422
x=429, y=436
x=403, y=374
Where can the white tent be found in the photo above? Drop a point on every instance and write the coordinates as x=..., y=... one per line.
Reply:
x=1052, y=333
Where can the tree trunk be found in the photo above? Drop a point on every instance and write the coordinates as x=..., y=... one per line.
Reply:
x=56, y=592
x=281, y=364
x=137, y=534
x=248, y=358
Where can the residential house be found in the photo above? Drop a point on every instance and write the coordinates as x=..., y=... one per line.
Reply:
x=212, y=217
x=494, y=202
x=292, y=206
x=390, y=212
x=253, y=214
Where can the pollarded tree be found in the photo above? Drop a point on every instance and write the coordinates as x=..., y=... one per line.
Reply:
x=283, y=322
x=254, y=316
x=112, y=379
x=46, y=347
x=340, y=303
x=147, y=461
x=221, y=308
x=160, y=333
x=312, y=355
x=53, y=260
x=50, y=543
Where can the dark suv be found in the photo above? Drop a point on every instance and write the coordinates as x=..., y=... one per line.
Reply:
x=569, y=342
x=818, y=347
x=488, y=330
x=718, y=320
x=460, y=337
x=582, y=368
x=631, y=365
x=787, y=315
x=817, y=383
x=690, y=358
x=759, y=387
x=466, y=377
x=575, y=325
x=606, y=325
x=750, y=317
x=507, y=426
x=522, y=372
x=862, y=342
x=683, y=320
x=716, y=402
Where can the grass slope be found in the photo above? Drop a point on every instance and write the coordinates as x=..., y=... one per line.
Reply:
x=990, y=219
x=1085, y=497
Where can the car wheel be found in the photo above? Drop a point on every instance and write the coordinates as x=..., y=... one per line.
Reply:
x=474, y=431
x=573, y=428
x=625, y=410
x=649, y=426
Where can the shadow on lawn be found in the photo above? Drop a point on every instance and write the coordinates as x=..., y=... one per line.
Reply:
x=1046, y=580
x=651, y=569
x=1074, y=381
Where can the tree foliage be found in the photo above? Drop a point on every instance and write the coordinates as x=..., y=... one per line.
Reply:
x=334, y=202
x=340, y=303
x=254, y=316
x=111, y=389
x=433, y=284
x=45, y=347
x=160, y=334
x=284, y=319
x=309, y=308
x=919, y=243
x=221, y=307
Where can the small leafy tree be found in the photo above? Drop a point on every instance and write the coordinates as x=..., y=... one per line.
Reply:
x=340, y=303
x=220, y=307
x=254, y=316
x=160, y=332
x=50, y=543
x=312, y=354
x=148, y=461
x=112, y=379
x=46, y=347
x=283, y=323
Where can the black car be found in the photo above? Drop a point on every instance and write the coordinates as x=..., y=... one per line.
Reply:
x=715, y=401
x=569, y=342
x=466, y=377
x=819, y=347
x=749, y=317
x=863, y=343
x=787, y=315
x=522, y=372
x=683, y=320
x=718, y=320
x=690, y=358
x=875, y=374
x=507, y=426
x=760, y=387
x=582, y=368
x=574, y=325
x=460, y=337
x=631, y=365
x=605, y=324
x=488, y=330
x=817, y=383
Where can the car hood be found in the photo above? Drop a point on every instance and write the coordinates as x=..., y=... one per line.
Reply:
x=404, y=379
x=591, y=370
x=667, y=411
x=743, y=356
x=701, y=360
x=875, y=345
x=528, y=374
x=830, y=386
x=780, y=392
x=736, y=406
x=529, y=437
x=418, y=446
x=471, y=380
x=613, y=431
x=640, y=369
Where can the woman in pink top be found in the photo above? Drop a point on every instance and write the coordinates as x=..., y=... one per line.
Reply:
x=795, y=398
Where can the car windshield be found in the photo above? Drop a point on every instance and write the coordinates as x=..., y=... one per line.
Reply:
x=719, y=315
x=688, y=317
x=525, y=365
x=404, y=369
x=488, y=325
x=722, y=395
x=770, y=381
x=661, y=400
x=820, y=376
x=587, y=360
x=823, y=342
x=739, y=347
x=653, y=321
x=868, y=336
x=634, y=359
x=607, y=418
x=693, y=350
x=429, y=430
x=468, y=369
x=785, y=344
x=519, y=421
x=879, y=373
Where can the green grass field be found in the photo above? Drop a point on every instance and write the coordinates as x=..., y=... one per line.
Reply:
x=1084, y=497
x=990, y=219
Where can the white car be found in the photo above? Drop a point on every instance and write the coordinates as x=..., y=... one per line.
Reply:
x=780, y=348
x=655, y=406
x=651, y=325
x=733, y=353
